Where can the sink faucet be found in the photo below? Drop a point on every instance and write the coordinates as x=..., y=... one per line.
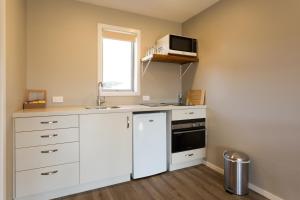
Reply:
x=99, y=100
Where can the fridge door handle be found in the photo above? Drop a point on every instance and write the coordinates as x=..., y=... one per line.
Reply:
x=128, y=122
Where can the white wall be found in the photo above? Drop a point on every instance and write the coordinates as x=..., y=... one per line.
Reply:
x=249, y=66
x=62, y=51
x=2, y=100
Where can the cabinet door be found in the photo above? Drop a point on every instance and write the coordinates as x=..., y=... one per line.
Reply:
x=149, y=144
x=105, y=146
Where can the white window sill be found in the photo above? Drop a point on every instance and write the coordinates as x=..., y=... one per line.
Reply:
x=119, y=93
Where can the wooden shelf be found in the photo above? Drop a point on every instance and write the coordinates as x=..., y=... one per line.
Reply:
x=170, y=59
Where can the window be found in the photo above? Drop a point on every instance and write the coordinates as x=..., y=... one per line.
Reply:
x=119, y=55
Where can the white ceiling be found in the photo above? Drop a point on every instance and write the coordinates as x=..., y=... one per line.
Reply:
x=173, y=10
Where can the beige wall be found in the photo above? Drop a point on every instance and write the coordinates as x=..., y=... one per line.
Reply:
x=249, y=64
x=62, y=51
x=2, y=101
x=16, y=71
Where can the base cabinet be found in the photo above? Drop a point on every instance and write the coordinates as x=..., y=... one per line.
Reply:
x=60, y=155
x=46, y=155
x=105, y=146
x=187, y=138
x=46, y=179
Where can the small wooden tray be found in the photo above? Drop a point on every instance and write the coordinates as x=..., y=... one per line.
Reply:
x=33, y=105
x=35, y=99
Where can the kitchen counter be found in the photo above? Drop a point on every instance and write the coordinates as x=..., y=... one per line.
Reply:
x=67, y=110
x=90, y=148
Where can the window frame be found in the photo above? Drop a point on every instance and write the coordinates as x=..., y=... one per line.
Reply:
x=136, y=69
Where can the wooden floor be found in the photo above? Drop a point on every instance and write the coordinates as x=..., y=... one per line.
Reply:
x=194, y=183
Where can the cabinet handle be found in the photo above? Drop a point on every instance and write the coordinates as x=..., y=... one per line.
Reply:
x=49, y=173
x=49, y=122
x=192, y=131
x=128, y=122
x=50, y=151
x=189, y=155
x=49, y=136
x=191, y=113
x=151, y=120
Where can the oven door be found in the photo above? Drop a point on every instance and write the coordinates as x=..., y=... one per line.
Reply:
x=184, y=140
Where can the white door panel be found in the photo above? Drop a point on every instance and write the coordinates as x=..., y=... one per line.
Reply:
x=149, y=144
x=105, y=146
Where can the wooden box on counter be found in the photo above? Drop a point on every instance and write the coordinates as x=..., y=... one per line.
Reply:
x=35, y=99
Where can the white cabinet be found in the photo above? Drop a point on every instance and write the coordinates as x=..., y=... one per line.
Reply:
x=46, y=179
x=60, y=154
x=187, y=138
x=45, y=123
x=46, y=137
x=105, y=146
x=187, y=156
x=46, y=154
x=184, y=114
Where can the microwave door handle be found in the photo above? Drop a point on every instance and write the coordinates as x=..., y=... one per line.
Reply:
x=181, y=132
x=194, y=45
x=192, y=50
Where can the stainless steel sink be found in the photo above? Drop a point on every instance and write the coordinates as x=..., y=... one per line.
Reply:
x=102, y=107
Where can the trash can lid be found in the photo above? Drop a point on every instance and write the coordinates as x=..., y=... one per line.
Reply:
x=236, y=156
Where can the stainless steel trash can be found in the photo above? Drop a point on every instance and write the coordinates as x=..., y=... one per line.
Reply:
x=236, y=172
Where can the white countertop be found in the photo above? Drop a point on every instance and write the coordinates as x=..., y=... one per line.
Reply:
x=82, y=110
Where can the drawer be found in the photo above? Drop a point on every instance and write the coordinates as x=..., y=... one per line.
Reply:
x=43, y=156
x=45, y=123
x=188, y=156
x=188, y=114
x=46, y=179
x=46, y=137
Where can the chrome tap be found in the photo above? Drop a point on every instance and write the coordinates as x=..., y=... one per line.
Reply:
x=99, y=100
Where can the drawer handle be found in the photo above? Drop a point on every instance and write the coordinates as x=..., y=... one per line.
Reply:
x=49, y=136
x=151, y=120
x=49, y=173
x=189, y=155
x=189, y=113
x=50, y=151
x=49, y=122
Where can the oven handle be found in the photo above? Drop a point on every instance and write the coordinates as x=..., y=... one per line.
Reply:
x=180, y=132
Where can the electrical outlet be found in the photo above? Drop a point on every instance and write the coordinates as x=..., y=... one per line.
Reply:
x=146, y=98
x=58, y=99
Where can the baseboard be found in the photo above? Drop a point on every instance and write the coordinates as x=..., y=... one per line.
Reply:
x=76, y=189
x=256, y=189
x=263, y=192
x=177, y=166
x=214, y=167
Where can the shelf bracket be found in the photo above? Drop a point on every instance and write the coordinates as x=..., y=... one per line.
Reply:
x=185, y=71
x=146, y=67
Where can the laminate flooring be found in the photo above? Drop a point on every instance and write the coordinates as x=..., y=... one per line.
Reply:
x=193, y=183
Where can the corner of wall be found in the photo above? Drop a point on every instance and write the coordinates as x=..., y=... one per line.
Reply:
x=15, y=48
x=2, y=102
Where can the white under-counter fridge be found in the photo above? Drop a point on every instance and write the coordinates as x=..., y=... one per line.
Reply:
x=149, y=144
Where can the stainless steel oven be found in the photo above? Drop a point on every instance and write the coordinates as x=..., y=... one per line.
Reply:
x=188, y=135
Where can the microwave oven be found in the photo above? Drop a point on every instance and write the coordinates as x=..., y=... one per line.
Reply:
x=179, y=45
